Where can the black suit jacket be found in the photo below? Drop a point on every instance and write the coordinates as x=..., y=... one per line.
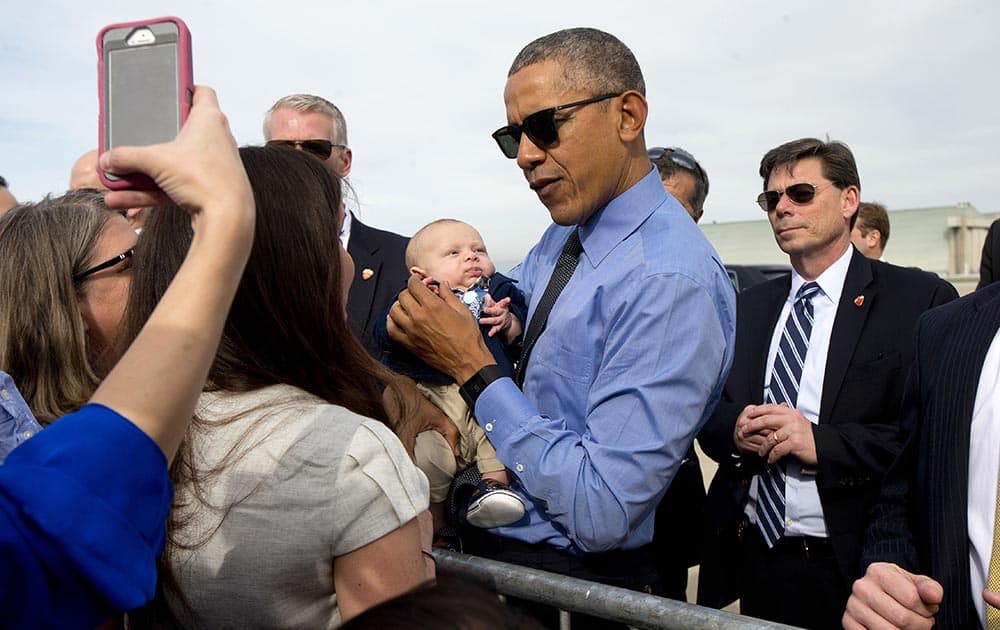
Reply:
x=989, y=264
x=857, y=436
x=384, y=255
x=920, y=521
x=679, y=527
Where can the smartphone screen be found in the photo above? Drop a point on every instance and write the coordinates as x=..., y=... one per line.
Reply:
x=141, y=83
x=145, y=87
x=143, y=105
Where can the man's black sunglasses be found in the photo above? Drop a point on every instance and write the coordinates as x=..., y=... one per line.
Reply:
x=540, y=127
x=797, y=194
x=83, y=275
x=320, y=148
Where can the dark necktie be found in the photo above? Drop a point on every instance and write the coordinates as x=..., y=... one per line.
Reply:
x=784, y=388
x=563, y=271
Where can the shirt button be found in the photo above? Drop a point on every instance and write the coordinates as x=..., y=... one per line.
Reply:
x=4, y=394
x=28, y=434
x=788, y=521
x=489, y=426
x=519, y=468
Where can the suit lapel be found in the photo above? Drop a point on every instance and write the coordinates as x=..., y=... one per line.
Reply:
x=763, y=314
x=981, y=320
x=976, y=327
x=364, y=252
x=849, y=321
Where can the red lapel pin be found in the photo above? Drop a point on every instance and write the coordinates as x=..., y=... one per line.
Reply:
x=858, y=301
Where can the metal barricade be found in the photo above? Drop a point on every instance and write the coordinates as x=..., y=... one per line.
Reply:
x=599, y=600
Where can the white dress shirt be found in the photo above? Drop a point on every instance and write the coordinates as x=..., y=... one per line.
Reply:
x=345, y=229
x=803, y=510
x=984, y=464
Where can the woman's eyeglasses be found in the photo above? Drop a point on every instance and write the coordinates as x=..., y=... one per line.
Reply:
x=107, y=264
x=797, y=193
x=320, y=148
x=540, y=127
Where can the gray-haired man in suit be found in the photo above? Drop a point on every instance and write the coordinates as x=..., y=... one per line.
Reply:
x=316, y=126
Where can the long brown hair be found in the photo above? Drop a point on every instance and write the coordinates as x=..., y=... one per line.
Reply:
x=287, y=323
x=43, y=341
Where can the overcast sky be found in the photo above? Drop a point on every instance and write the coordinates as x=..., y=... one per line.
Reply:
x=911, y=86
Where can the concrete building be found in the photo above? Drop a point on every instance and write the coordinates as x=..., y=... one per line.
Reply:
x=946, y=240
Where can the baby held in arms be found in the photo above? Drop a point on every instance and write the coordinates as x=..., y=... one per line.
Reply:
x=451, y=253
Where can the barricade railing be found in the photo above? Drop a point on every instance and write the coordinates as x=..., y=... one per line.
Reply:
x=564, y=593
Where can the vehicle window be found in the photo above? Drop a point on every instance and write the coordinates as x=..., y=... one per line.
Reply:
x=775, y=272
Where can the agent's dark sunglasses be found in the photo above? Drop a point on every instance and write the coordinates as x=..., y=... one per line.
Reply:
x=320, y=148
x=107, y=264
x=540, y=127
x=796, y=193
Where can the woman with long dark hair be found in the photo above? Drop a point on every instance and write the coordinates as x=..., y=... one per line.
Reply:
x=295, y=505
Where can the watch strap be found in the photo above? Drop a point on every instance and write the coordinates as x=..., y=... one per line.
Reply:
x=472, y=388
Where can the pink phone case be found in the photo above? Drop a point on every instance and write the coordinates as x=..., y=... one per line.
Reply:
x=185, y=89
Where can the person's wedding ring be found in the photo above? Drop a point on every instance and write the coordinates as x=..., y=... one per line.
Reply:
x=775, y=436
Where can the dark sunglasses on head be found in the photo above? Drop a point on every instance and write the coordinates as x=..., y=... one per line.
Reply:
x=679, y=157
x=320, y=148
x=540, y=127
x=80, y=277
x=797, y=194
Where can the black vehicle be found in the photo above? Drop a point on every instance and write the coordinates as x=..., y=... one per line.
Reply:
x=745, y=276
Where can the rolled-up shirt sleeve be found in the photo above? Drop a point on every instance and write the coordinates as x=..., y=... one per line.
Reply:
x=378, y=489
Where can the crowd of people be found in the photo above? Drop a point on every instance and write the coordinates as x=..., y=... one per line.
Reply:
x=229, y=402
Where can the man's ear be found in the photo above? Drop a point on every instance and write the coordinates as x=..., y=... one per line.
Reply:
x=633, y=116
x=345, y=162
x=849, y=199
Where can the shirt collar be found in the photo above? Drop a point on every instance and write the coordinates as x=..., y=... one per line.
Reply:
x=622, y=216
x=831, y=281
x=345, y=229
x=14, y=405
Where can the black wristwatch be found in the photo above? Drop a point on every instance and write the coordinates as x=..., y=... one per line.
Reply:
x=472, y=388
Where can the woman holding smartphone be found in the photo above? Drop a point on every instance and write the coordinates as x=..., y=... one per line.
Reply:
x=82, y=504
x=295, y=505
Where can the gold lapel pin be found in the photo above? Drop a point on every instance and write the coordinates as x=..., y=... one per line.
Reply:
x=366, y=274
x=858, y=301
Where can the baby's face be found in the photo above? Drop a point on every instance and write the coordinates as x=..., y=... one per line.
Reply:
x=455, y=254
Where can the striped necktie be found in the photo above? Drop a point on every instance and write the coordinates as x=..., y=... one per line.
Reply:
x=784, y=388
